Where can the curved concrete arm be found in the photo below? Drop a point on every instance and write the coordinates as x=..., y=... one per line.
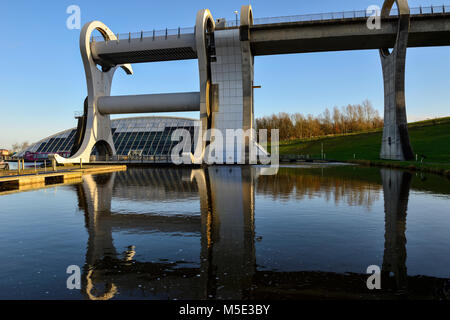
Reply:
x=246, y=22
x=85, y=46
x=246, y=15
x=98, y=126
x=127, y=68
x=204, y=24
x=403, y=23
x=402, y=5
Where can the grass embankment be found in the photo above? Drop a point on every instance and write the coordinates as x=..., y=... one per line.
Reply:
x=430, y=138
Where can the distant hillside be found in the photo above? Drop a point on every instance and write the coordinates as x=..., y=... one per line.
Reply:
x=430, y=138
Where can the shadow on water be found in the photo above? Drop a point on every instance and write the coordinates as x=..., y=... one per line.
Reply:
x=226, y=228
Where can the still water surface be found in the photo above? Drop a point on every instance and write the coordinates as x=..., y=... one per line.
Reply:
x=230, y=233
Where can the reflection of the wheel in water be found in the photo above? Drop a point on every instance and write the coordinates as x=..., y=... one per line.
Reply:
x=110, y=289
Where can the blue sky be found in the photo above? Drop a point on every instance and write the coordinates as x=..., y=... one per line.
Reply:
x=42, y=80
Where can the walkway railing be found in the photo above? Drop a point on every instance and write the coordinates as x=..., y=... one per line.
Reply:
x=342, y=15
x=154, y=34
x=171, y=33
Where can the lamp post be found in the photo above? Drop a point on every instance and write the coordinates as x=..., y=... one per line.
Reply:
x=236, y=13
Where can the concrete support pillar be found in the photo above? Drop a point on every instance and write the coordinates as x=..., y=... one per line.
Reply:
x=98, y=125
x=395, y=143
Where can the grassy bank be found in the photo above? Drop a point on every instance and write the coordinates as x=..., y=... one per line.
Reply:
x=430, y=138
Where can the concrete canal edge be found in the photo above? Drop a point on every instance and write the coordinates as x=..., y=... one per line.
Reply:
x=29, y=181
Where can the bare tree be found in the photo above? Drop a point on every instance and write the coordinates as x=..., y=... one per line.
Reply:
x=17, y=147
x=351, y=118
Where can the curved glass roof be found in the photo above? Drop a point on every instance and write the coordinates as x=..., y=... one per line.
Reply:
x=146, y=136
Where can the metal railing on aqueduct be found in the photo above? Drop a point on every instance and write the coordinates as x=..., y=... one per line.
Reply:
x=170, y=33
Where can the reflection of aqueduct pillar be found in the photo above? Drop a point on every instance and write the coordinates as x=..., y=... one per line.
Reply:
x=98, y=126
x=95, y=195
x=231, y=259
x=204, y=192
x=396, y=185
x=98, y=193
x=395, y=144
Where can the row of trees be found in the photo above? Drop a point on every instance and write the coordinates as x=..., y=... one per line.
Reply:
x=349, y=119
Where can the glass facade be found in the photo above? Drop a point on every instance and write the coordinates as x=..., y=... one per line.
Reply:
x=143, y=136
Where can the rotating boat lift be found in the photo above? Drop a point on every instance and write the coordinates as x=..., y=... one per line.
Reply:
x=225, y=63
x=95, y=129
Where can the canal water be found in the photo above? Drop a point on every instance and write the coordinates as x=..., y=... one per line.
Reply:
x=229, y=232
x=12, y=165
